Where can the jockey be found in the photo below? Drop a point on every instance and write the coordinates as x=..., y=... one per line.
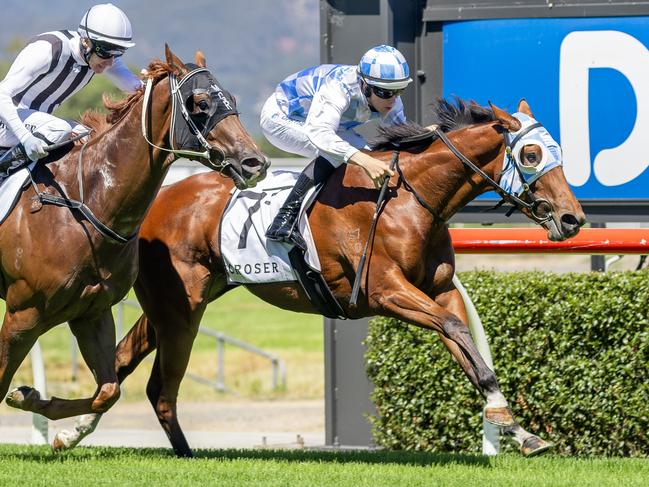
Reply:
x=314, y=112
x=54, y=66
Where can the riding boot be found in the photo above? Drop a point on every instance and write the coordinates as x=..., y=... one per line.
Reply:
x=11, y=161
x=283, y=226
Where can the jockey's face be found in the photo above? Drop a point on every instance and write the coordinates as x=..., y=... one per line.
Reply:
x=99, y=65
x=382, y=105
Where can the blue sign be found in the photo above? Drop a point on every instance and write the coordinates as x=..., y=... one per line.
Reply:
x=585, y=79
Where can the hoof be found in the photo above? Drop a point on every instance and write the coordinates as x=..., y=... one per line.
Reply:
x=58, y=445
x=534, y=445
x=500, y=416
x=63, y=440
x=23, y=398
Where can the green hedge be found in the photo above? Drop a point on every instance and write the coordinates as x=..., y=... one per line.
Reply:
x=571, y=352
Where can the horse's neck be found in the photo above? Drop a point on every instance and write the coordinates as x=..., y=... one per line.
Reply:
x=122, y=173
x=453, y=184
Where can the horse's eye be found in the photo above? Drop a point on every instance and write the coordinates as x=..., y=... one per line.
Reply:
x=203, y=105
x=529, y=156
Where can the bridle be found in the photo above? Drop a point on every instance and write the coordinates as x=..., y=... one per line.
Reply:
x=178, y=105
x=175, y=87
x=517, y=202
x=540, y=209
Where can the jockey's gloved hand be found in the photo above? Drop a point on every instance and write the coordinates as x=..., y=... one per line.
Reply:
x=34, y=147
x=376, y=169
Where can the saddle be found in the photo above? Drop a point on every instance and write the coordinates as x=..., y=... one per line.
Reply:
x=250, y=258
x=14, y=159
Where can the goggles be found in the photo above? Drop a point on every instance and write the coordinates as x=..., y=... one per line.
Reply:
x=384, y=93
x=107, y=51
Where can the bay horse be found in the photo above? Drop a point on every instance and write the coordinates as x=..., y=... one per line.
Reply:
x=409, y=273
x=57, y=267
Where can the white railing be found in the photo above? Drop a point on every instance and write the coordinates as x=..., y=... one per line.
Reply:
x=278, y=378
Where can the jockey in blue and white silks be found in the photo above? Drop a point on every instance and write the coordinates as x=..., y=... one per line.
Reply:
x=313, y=113
x=54, y=66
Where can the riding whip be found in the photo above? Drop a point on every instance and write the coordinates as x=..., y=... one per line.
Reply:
x=375, y=217
x=18, y=153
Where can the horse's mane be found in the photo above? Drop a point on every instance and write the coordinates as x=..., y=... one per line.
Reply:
x=117, y=109
x=450, y=116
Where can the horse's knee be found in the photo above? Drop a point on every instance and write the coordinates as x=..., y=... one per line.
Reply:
x=107, y=396
x=457, y=331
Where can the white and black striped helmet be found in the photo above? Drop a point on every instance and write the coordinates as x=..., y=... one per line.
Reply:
x=105, y=23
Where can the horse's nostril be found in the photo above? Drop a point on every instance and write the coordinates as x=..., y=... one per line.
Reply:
x=252, y=165
x=569, y=222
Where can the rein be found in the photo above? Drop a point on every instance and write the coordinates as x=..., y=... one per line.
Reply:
x=64, y=201
x=176, y=100
x=506, y=196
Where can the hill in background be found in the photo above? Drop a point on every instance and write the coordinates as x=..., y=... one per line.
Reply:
x=250, y=45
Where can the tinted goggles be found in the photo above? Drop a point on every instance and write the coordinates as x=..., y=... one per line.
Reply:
x=384, y=93
x=107, y=51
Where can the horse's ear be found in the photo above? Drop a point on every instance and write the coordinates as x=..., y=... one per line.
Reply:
x=173, y=60
x=523, y=107
x=511, y=124
x=199, y=59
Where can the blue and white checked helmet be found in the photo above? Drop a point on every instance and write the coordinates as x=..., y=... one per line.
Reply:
x=385, y=67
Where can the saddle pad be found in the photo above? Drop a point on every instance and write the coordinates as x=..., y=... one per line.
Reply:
x=10, y=190
x=249, y=257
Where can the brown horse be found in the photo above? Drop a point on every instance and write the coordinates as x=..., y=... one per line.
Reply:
x=409, y=274
x=57, y=267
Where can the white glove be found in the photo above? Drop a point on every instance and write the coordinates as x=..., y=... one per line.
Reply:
x=34, y=147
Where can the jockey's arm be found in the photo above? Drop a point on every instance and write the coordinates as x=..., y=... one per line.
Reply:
x=321, y=125
x=31, y=62
x=122, y=77
x=323, y=120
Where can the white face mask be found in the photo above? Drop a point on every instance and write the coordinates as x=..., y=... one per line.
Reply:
x=550, y=150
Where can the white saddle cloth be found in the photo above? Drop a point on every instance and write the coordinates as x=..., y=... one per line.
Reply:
x=249, y=257
x=10, y=190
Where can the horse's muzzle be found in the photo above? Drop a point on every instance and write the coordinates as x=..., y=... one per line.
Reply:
x=254, y=169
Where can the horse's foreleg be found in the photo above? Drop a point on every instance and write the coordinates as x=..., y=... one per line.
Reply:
x=497, y=410
x=139, y=342
x=131, y=350
x=447, y=315
x=96, y=339
x=407, y=303
x=17, y=337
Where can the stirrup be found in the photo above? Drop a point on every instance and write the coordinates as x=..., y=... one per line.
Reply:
x=292, y=238
x=296, y=239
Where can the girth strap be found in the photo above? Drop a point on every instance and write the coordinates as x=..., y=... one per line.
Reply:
x=50, y=199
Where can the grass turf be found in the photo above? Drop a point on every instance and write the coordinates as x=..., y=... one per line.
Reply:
x=32, y=465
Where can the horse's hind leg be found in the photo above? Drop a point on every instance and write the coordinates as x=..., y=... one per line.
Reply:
x=96, y=339
x=172, y=357
x=131, y=350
